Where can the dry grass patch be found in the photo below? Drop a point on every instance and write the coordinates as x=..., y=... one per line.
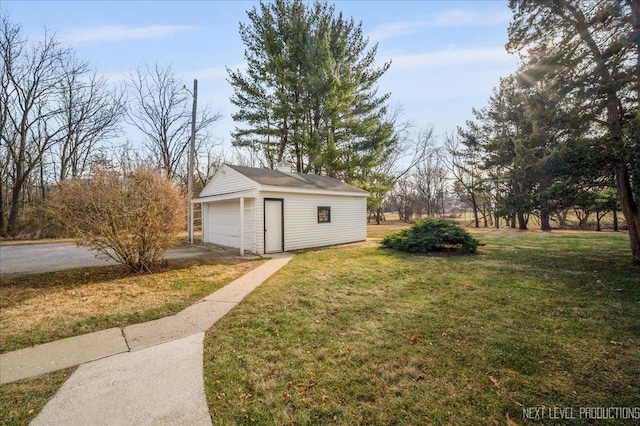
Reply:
x=385, y=228
x=39, y=308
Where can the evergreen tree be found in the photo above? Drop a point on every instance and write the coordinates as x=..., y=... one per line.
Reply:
x=590, y=52
x=309, y=91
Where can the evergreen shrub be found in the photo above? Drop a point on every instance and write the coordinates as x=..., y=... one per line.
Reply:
x=432, y=235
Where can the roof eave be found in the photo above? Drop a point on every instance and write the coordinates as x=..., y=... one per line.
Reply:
x=225, y=197
x=270, y=188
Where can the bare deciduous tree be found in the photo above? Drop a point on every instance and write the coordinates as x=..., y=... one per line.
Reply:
x=423, y=189
x=408, y=152
x=207, y=164
x=161, y=112
x=463, y=162
x=90, y=113
x=31, y=75
x=431, y=182
x=51, y=107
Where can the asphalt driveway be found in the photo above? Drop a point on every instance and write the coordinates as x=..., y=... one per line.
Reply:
x=49, y=257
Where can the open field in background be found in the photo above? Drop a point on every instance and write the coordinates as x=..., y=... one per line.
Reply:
x=370, y=336
x=606, y=222
x=465, y=219
x=39, y=308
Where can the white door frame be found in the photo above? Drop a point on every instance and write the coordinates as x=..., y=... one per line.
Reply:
x=281, y=201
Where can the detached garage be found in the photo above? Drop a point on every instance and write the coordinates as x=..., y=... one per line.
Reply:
x=270, y=211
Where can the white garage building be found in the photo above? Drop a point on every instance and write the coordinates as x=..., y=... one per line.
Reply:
x=270, y=211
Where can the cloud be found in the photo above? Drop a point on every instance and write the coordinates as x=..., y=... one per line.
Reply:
x=450, y=57
x=395, y=29
x=448, y=18
x=458, y=18
x=116, y=33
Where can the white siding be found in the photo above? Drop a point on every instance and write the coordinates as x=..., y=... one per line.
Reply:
x=259, y=209
x=301, y=227
x=227, y=181
x=222, y=223
x=250, y=225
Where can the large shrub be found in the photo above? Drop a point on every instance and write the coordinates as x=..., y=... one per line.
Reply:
x=132, y=218
x=429, y=235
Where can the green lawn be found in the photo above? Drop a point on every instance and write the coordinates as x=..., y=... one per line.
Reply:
x=371, y=336
x=20, y=402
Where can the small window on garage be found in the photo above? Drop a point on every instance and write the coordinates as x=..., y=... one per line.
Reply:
x=324, y=214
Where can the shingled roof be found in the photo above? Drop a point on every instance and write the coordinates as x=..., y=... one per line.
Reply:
x=295, y=180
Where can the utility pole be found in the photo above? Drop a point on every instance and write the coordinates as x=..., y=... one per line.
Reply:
x=192, y=148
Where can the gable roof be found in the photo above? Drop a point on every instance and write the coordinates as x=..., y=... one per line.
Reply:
x=270, y=177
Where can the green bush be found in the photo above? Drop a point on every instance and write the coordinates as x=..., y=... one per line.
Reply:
x=429, y=235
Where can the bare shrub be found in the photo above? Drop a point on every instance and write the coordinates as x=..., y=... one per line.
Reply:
x=132, y=218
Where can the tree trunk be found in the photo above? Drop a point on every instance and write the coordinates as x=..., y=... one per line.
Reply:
x=545, y=222
x=474, y=205
x=629, y=209
x=42, y=183
x=2, y=230
x=562, y=218
x=615, y=221
x=598, y=217
x=622, y=174
x=583, y=217
x=614, y=120
x=15, y=209
x=284, y=141
x=522, y=221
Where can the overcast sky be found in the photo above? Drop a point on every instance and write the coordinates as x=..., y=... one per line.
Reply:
x=446, y=55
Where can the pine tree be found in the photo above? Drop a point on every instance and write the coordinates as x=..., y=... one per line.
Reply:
x=592, y=56
x=309, y=91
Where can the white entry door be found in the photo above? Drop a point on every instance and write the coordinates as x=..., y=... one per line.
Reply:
x=273, y=223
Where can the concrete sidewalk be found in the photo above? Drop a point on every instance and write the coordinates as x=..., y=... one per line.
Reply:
x=149, y=373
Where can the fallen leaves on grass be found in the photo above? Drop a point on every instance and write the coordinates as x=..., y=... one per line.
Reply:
x=495, y=381
x=511, y=422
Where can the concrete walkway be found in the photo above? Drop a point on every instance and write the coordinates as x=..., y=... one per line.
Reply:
x=149, y=373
